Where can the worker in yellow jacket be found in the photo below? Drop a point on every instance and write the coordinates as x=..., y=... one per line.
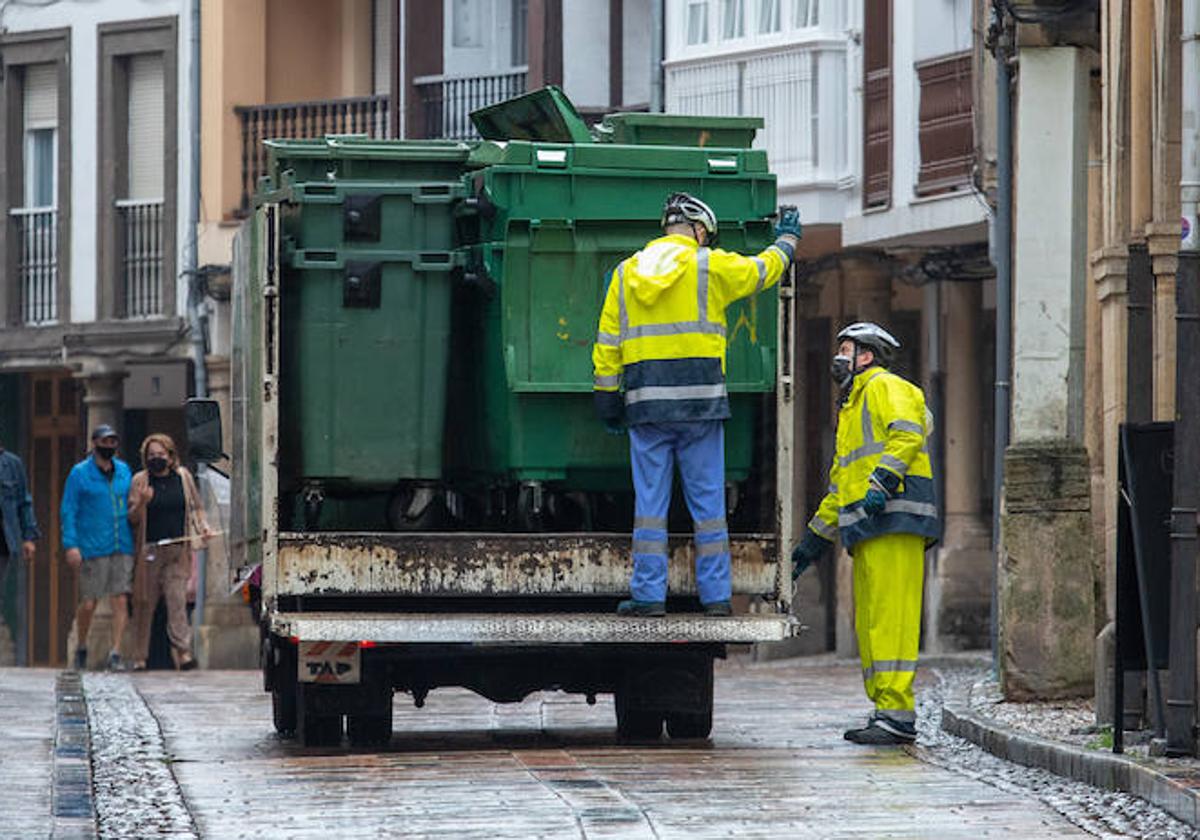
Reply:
x=662, y=342
x=881, y=503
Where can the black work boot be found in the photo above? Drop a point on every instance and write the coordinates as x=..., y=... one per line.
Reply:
x=633, y=607
x=883, y=732
x=718, y=608
x=80, y=659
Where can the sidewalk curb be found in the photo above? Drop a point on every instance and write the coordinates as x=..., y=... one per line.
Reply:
x=1098, y=769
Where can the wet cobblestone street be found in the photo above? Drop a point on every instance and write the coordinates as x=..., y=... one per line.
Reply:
x=194, y=754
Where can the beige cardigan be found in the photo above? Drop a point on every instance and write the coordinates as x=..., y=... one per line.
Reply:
x=195, y=523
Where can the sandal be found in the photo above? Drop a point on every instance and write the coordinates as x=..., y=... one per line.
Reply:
x=140, y=665
x=188, y=663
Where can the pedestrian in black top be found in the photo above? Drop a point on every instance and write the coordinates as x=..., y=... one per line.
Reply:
x=169, y=521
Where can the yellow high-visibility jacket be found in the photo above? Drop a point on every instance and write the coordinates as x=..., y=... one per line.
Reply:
x=881, y=427
x=662, y=328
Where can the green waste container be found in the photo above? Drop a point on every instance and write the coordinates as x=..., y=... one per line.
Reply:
x=554, y=219
x=679, y=130
x=368, y=259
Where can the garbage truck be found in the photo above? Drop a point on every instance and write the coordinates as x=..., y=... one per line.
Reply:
x=418, y=478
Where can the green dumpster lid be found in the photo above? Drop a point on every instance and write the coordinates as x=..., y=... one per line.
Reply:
x=545, y=115
x=678, y=129
x=358, y=146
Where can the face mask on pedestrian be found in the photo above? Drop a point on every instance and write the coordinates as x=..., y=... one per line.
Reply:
x=106, y=452
x=158, y=465
x=842, y=370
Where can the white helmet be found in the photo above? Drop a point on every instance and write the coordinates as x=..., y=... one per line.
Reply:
x=881, y=342
x=682, y=208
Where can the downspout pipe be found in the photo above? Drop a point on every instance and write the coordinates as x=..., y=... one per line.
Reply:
x=656, y=56
x=197, y=320
x=1181, y=692
x=1002, y=254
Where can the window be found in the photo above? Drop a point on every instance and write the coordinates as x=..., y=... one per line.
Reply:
x=381, y=46
x=41, y=129
x=520, y=22
x=467, y=23
x=768, y=16
x=733, y=19
x=39, y=167
x=697, y=20
x=804, y=13
x=145, y=143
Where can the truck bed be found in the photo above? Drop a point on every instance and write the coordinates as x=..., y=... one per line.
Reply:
x=531, y=629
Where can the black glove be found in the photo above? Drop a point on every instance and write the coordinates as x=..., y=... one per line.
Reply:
x=810, y=550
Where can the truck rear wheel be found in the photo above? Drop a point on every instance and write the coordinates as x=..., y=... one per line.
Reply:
x=283, y=709
x=689, y=724
x=369, y=730
x=637, y=724
x=316, y=726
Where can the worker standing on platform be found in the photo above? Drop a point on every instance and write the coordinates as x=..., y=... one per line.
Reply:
x=662, y=341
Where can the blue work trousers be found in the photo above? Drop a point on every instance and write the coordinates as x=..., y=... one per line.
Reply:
x=698, y=448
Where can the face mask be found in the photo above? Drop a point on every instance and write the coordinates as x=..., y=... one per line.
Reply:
x=157, y=466
x=842, y=370
x=106, y=452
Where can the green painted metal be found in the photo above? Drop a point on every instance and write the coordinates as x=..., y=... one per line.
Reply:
x=544, y=114
x=553, y=222
x=368, y=264
x=642, y=129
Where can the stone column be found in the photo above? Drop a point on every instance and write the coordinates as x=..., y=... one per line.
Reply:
x=869, y=298
x=102, y=400
x=960, y=594
x=1046, y=592
x=219, y=389
x=1162, y=239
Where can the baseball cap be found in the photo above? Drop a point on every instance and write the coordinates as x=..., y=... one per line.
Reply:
x=104, y=430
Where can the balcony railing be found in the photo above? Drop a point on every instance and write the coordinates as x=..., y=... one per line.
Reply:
x=447, y=103
x=303, y=120
x=141, y=231
x=36, y=230
x=786, y=87
x=947, y=125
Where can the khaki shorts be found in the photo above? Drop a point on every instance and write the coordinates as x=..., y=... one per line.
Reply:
x=109, y=575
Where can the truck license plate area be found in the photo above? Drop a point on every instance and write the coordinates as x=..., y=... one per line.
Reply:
x=330, y=662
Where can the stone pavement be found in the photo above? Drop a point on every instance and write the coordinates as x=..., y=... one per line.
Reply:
x=549, y=767
x=27, y=707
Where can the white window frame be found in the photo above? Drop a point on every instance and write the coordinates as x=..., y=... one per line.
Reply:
x=26, y=165
x=830, y=26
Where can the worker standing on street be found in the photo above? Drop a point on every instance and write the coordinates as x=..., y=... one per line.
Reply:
x=880, y=501
x=662, y=340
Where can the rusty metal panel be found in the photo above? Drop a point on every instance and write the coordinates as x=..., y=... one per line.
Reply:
x=558, y=628
x=496, y=564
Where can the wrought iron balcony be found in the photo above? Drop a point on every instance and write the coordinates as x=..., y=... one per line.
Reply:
x=447, y=102
x=36, y=237
x=303, y=120
x=141, y=232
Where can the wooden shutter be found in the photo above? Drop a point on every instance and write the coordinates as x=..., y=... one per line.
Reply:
x=946, y=128
x=877, y=103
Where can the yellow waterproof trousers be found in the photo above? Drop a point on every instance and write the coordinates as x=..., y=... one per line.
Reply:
x=889, y=574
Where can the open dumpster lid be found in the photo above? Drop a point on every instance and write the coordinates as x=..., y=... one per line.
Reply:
x=644, y=129
x=546, y=115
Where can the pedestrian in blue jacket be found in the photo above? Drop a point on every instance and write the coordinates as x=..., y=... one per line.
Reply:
x=97, y=539
x=18, y=526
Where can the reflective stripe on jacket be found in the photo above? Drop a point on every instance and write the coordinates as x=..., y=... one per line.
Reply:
x=662, y=328
x=883, y=424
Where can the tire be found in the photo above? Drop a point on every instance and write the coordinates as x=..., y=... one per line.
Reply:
x=637, y=724
x=689, y=724
x=320, y=730
x=369, y=730
x=283, y=709
x=315, y=728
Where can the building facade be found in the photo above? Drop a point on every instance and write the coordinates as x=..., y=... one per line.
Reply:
x=95, y=186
